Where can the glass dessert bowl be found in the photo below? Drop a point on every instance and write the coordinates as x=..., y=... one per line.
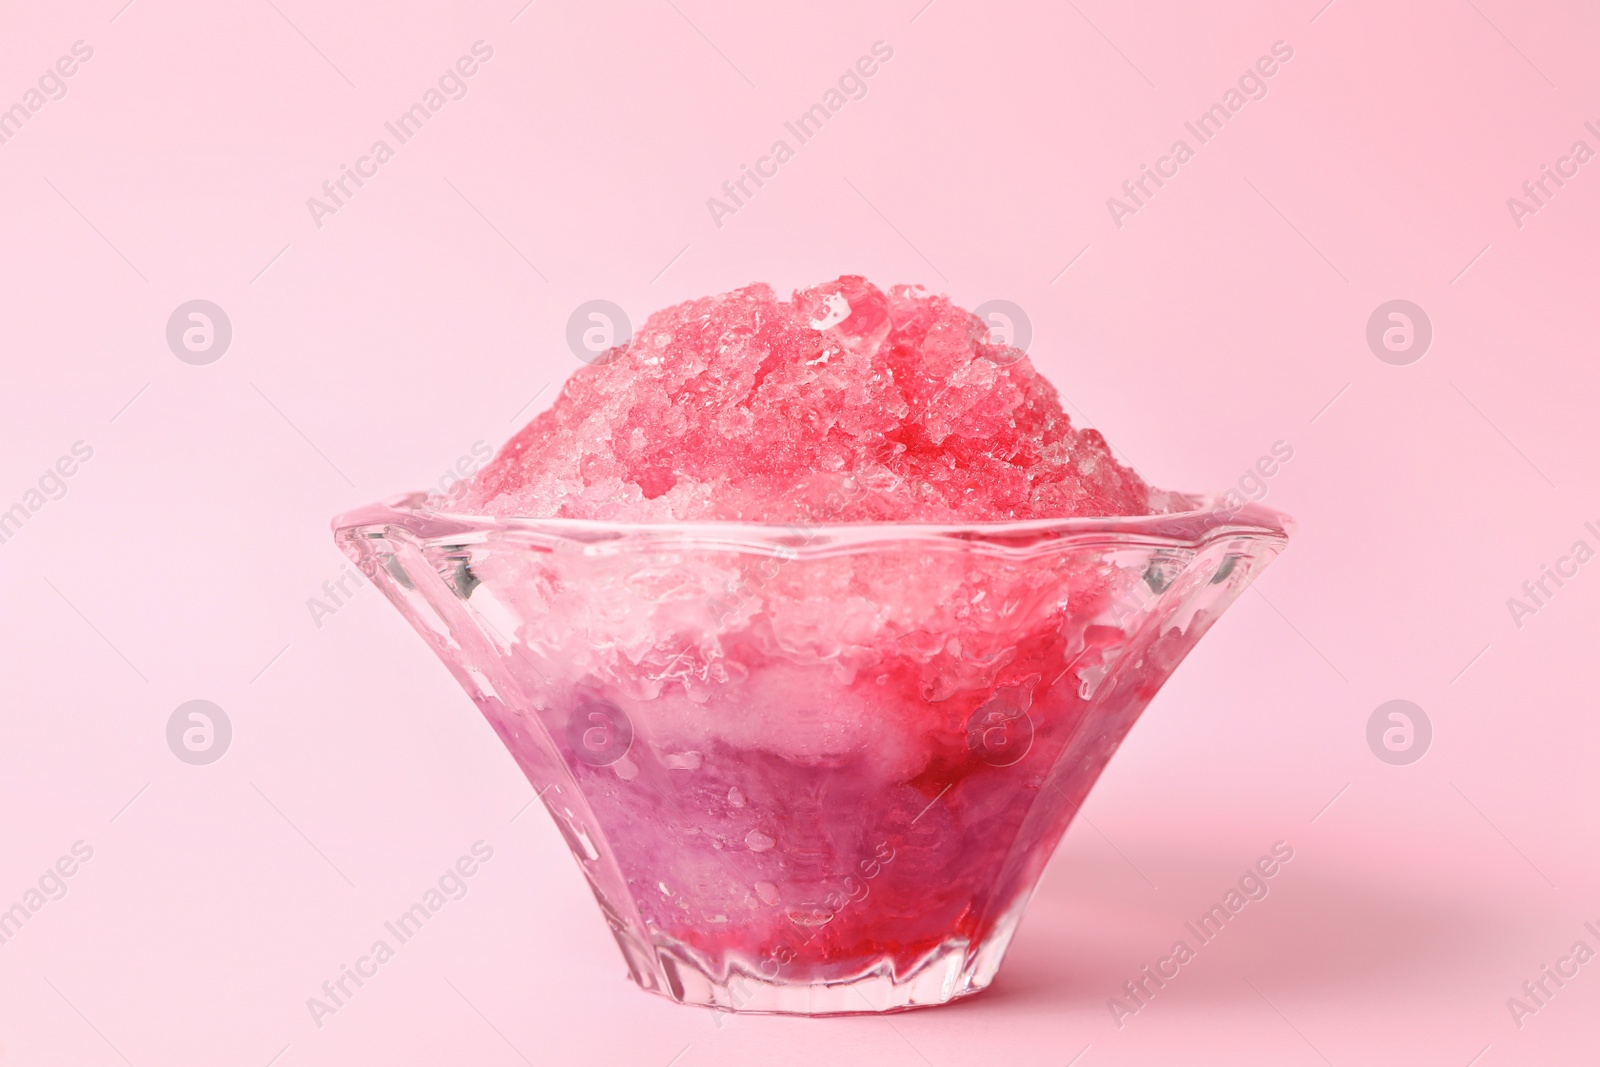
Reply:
x=812, y=769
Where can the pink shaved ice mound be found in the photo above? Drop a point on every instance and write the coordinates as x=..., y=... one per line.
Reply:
x=843, y=404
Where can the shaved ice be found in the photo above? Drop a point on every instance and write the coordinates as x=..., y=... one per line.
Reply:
x=842, y=404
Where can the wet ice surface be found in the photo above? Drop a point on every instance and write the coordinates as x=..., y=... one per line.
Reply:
x=843, y=404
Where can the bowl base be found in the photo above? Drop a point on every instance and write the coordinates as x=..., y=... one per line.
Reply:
x=952, y=970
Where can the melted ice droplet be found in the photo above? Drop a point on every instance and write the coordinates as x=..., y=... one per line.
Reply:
x=767, y=892
x=735, y=798
x=838, y=310
x=758, y=841
x=577, y=836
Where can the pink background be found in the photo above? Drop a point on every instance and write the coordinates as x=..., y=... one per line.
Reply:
x=371, y=353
